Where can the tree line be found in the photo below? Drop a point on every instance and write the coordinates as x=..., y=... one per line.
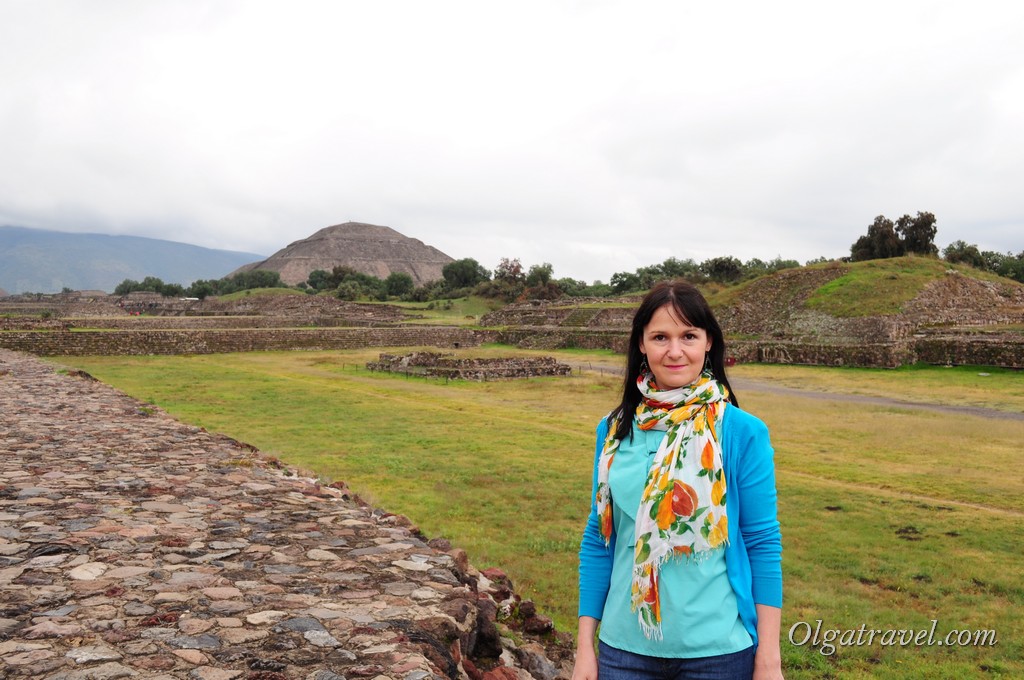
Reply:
x=908, y=235
x=510, y=280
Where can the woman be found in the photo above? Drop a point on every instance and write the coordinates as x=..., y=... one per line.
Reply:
x=680, y=559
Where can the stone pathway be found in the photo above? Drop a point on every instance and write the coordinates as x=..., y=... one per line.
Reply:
x=134, y=546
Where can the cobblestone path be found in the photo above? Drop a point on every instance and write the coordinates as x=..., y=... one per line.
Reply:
x=135, y=546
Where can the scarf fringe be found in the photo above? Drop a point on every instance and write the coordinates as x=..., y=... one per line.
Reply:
x=651, y=632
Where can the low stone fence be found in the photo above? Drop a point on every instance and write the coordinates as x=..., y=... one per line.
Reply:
x=564, y=338
x=878, y=355
x=53, y=338
x=213, y=322
x=1005, y=351
x=448, y=366
x=83, y=343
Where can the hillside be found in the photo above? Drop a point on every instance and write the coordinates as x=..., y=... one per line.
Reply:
x=367, y=248
x=42, y=261
x=902, y=294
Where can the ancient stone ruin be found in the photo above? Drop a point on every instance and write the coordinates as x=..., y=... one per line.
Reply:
x=447, y=365
x=187, y=555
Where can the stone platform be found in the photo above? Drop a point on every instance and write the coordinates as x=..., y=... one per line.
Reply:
x=135, y=546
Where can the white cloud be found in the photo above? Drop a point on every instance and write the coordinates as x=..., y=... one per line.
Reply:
x=596, y=136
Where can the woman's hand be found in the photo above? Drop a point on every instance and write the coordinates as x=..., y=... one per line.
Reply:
x=768, y=657
x=767, y=666
x=585, y=667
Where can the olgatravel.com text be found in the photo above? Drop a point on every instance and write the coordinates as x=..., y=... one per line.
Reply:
x=830, y=639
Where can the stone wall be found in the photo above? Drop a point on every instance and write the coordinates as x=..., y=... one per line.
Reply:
x=878, y=355
x=53, y=339
x=564, y=338
x=212, y=322
x=574, y=312
x=296, y=309
x=480, y=369
x=1003, y=350
x=78, y=343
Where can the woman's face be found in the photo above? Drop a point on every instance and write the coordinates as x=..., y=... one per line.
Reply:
x=675, y=349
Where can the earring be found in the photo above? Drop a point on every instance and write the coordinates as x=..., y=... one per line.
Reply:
x=707, y=362
x=644, y=368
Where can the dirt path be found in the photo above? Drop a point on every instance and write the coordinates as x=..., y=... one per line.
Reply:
x=765, y=387
x=770, y=388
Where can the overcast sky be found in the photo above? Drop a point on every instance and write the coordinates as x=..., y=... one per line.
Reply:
x=598, y=136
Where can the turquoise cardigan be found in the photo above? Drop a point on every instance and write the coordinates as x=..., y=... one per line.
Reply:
x=753, y=555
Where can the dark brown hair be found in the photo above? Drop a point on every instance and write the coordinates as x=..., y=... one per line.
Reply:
x=692, y=308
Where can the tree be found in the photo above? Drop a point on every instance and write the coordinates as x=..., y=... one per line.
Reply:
x=755, y=267
x=722, y=269
x=464, y=273
x=257, y=278
x=918, y=233
x=1012, y=266
x=201, y=289
x=428, y=291
x=572, y=287
x=509, y=270
x=880, y=242
x=778, y=264
x=348, y=290
x=399, y=284
x=887, y=239
x=624, y=282
x=963, y=253
x=150, y=284
x=126, y=286
x=319, y=279
x=539, y=275
x=993, y=260
x=674, y=268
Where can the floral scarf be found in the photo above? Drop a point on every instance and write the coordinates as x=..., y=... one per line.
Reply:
x=682, y=509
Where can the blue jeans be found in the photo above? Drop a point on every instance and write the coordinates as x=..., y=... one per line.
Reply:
x=615, y=664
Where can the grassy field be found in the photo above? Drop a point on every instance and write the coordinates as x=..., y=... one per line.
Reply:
x=884, y=286
x=892, y=517
x=457, y=312
x=242, y=294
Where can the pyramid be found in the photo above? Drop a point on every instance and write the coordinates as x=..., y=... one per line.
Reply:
x=367, y=248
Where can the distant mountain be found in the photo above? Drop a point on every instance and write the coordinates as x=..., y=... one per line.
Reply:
x=42, y=261
x=367, y=248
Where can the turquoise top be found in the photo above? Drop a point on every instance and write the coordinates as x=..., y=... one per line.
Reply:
x=753, y=555
x=699, y=612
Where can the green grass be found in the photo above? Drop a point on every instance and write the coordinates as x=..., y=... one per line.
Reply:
x=891, y=517
x=259, y=291
x=460, y=311
x=882, y=287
